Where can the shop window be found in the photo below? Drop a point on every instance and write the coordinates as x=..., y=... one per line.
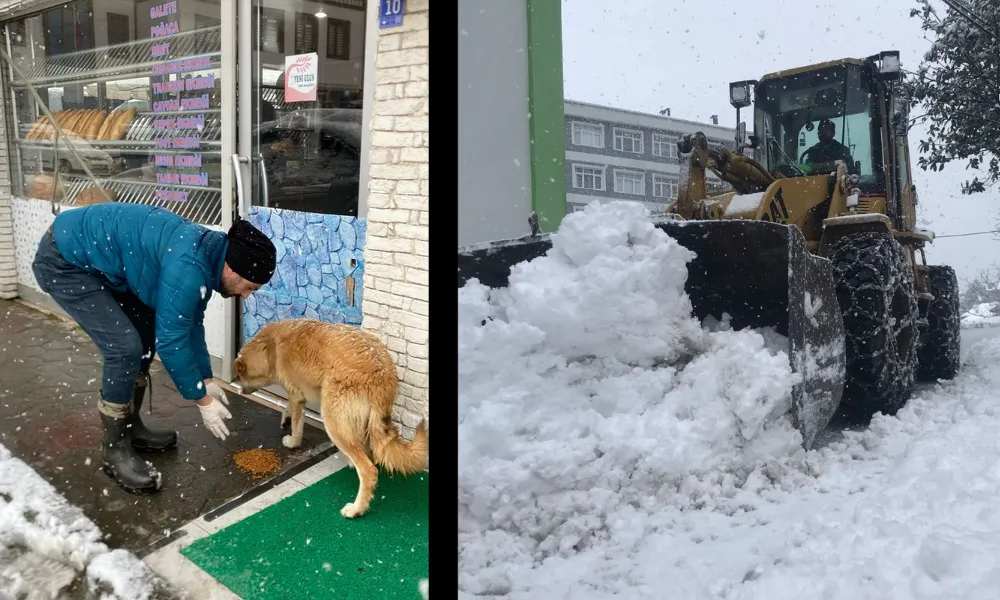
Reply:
x=135, y=95
x=338, y=39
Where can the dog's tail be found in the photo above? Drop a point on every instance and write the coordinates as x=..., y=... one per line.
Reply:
x=391, y=451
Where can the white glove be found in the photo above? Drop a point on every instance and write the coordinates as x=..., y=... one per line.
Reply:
x=213, y=416
x=214, y=390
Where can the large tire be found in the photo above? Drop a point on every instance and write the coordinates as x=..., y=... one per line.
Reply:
x=941, y=355
x=879, y=306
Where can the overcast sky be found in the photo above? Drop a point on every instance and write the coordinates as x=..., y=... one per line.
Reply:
x=649, y=54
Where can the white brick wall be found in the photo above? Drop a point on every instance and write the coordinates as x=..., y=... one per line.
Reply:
x=396, y=286
x=8, y=263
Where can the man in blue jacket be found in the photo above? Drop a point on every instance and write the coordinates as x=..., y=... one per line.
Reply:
x=137, y=279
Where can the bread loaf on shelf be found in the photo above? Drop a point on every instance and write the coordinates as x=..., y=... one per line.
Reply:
x=94, y=125
x=60, y=117
x=70, y=123
x=34, y=128
x=95, y=195
x=38, y=130
x=42, y=185
x=81, y=124
x=120, y=127
x=109, y=121
x=48, y=132
x=88, y=124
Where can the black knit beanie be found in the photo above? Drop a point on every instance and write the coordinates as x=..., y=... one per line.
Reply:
x=250, y=255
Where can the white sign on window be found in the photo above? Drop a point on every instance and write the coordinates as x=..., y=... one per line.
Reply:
x=301, y=77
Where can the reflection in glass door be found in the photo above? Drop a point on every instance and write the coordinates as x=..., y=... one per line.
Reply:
x=303, y=161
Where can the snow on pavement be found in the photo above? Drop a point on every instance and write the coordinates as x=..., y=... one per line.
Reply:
x=48, y=546
x=611, y=446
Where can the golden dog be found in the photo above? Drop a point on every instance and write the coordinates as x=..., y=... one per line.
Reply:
x=352, y=375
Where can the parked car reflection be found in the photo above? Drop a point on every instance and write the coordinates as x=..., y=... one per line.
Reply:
x=313, y=159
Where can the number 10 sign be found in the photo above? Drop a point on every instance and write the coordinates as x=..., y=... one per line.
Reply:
x=390, y=13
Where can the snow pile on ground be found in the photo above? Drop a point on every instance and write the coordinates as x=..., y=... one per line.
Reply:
x=982, y=315
x=49, y=549
x=592, y=472
x=591, y=402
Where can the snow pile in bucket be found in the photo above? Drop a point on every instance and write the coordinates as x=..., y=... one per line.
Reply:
x=590, y=399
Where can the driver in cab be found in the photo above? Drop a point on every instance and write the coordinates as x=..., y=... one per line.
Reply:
x=828, y=149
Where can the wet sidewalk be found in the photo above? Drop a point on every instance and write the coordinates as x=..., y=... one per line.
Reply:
x=49, y=386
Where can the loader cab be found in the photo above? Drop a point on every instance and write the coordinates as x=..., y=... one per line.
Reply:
x=790, y=106
x=870, y=112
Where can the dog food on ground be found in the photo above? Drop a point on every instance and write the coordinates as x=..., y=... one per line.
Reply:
x=257, y=462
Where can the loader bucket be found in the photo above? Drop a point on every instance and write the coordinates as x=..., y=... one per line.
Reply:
x=759, y=273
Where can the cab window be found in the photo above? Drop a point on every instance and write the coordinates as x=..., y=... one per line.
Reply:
x=788, y=112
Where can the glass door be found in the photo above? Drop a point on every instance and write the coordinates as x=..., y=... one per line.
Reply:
x=300, y=154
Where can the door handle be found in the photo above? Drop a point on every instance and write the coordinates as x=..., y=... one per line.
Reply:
x=265, y=192
x=237, y=160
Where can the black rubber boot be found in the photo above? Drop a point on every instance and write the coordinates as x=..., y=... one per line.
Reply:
x=144, y=439
x=120, y=461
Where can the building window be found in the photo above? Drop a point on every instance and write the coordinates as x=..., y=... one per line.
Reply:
x=273, y=26
x=664, y=187
x=664, y=145
x=588, y=134
x=630, y=182
x=628, y=140
x=720, y=144
x=716, y=185
x=588, y=178
x=306, y=33
x=338, y=39
x=118, y=33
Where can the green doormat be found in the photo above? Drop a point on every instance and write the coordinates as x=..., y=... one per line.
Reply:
x=302, y=548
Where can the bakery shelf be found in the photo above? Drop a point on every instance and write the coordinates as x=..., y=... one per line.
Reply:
x=204, y=204
x=140, y=137
x=122, y=148
x=129, y=60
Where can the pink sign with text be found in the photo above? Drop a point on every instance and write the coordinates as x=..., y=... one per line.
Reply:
x=301, y=77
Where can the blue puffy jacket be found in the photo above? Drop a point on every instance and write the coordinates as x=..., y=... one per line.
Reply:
x=168, y=262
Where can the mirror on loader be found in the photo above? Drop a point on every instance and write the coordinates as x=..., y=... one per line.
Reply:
x=739, y=97
x=739, y=93
x=890, y=68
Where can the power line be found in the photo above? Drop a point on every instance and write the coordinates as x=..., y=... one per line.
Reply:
x=992, y=231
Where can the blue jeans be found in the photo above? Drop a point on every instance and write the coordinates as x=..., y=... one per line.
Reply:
x=122, y=327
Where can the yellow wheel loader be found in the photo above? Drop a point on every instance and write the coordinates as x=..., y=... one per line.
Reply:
x=817, y=239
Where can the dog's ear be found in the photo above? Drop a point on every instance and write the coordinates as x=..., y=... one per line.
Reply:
x=239, y=368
